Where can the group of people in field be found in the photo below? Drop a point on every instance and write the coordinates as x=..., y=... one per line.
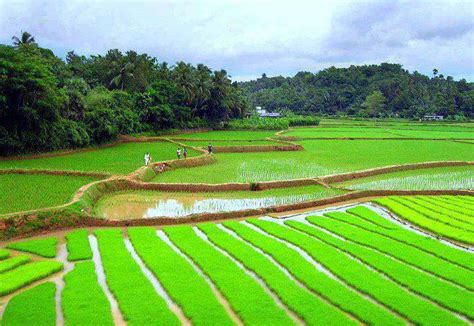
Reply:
x=179, y=152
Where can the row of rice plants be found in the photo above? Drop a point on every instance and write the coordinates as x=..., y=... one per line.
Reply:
x=21, y=192
x=463, y=220
x=78, y=246
x=452, y=203
x=366, y=219
x=401, y=251
x=280, y=170
x=45, y=247
x=13, y=262
x=35, y=306
x=365, y=279
x=137, y=299
x=427, y=285
x=246, y=297
x=437, y=225
x=82, y=300
x=448, y=220
x=27, y=274
x=178, y=277
x=332, y=290
x=307, y=306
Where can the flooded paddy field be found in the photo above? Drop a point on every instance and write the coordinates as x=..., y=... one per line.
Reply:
x=459, y=177
x=153, y=204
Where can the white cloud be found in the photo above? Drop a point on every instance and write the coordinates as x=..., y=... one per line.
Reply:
x=251, y=37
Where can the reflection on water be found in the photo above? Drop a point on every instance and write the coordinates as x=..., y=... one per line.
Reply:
x=128, y=207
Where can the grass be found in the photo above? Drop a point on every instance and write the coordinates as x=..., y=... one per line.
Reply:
x=180, y=280
x=320, y=157
x=82, y=300
x=13, y=262
x=361, y=277
x=327, y=287
x=22, y=192
x=122, y=158
x=449, y=178
x=437, y=223
x=307, y=306
x=45, y=247
x=379, y=255
x=35, y=306
x=367, y=219
x=27, y=274
x=247, y=298
x=220, y=135
x=78, y=247
x=138, y=301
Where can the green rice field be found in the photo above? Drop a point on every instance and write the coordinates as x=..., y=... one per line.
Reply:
x=22, y=192
x=448, y=217
x=319, y=157
x=223, y=135
x=122, y=158
x=351, y=265
x=383, y=131
x=445, y=178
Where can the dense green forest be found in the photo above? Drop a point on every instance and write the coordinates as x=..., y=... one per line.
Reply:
x=385, y=90
x=47, y=103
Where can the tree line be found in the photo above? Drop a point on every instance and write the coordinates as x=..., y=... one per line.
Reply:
x=47, y=103
x=385, y=90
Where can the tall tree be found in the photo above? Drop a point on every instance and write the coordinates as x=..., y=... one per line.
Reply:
x=374, y=104
x=25, y=38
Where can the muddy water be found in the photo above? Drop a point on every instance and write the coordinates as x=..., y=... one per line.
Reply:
x=135, y=206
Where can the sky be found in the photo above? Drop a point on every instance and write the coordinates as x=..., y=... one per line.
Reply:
x=248, y=38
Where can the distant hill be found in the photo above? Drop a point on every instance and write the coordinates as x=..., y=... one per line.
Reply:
x=343, y=91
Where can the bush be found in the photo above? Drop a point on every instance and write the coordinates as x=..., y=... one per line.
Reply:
x=259, y=123
x=255, y=123
x=300, y=120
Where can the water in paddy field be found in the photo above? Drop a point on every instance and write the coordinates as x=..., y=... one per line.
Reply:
x=135, y=206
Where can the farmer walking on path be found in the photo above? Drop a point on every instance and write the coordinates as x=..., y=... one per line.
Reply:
x=178, y=153
x=185, y=153
x=209, y=148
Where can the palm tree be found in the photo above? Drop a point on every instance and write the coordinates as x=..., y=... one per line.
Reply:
x=124, y=73
x=25, y=38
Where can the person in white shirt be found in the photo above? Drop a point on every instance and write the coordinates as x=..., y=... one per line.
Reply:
x=147, y=159
x=178, y=153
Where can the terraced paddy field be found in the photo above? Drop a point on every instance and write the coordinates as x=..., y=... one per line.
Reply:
x=223, y=135
x=444, y=178
x=319, y=157
x=383, y=131
x=351, y=265
x=22, y=192
x=153, y=204
x=122, y=158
